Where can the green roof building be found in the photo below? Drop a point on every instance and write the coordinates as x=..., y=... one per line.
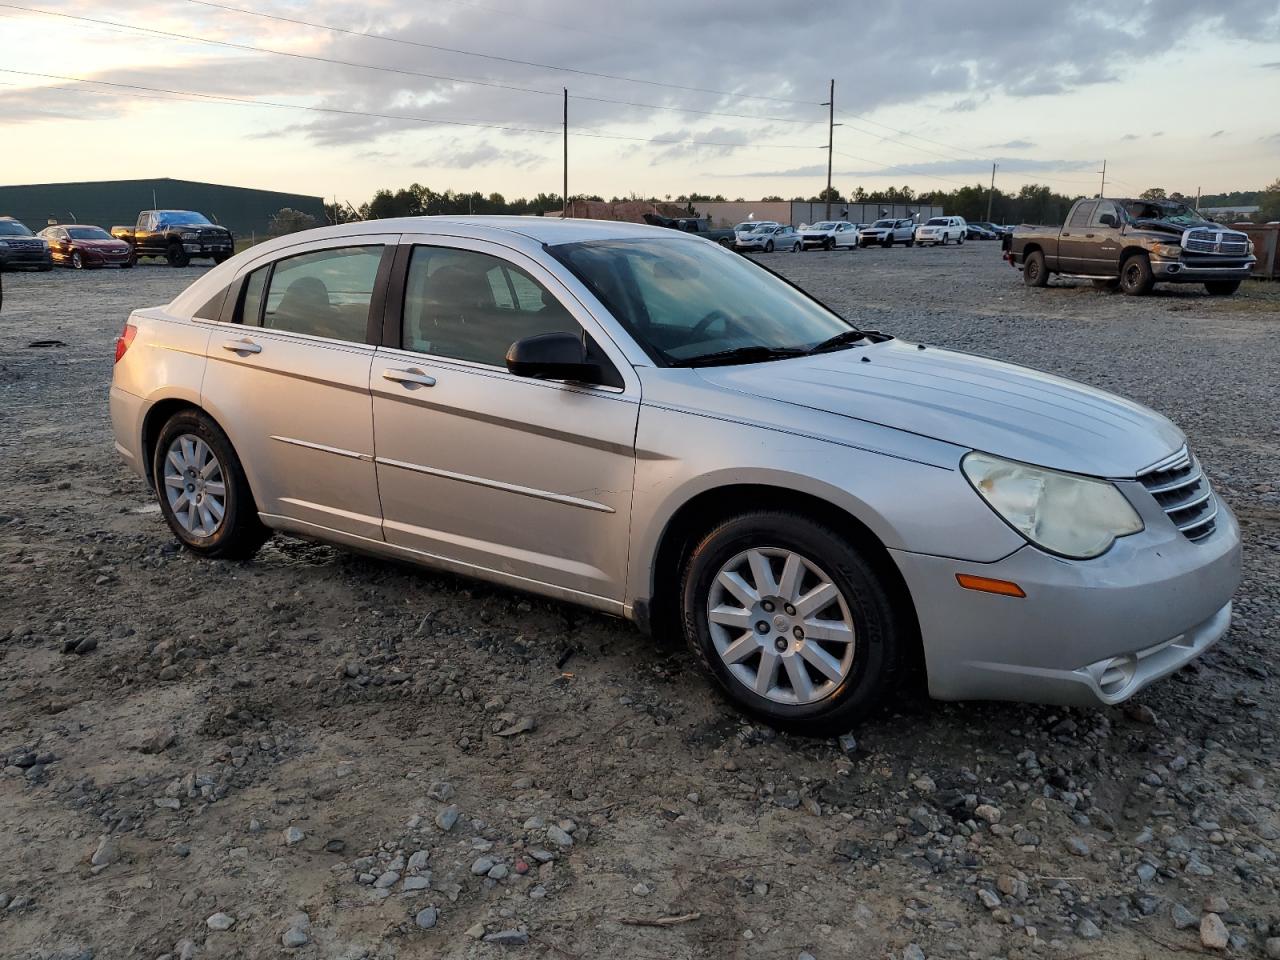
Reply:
x=109, y=203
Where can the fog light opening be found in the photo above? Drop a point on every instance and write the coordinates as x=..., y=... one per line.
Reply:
x=1117, y=674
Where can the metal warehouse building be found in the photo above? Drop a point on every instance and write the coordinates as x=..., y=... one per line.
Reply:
x=108, y=203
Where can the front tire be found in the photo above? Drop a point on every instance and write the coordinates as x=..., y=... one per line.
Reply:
x=792, y=621
x=1136, y=278
x=796, y=247
x=1222, y=288
x=910, y=244
x=203, y=493
x=1034, y=271
x=768, y=247
x=77, y=260
x=176, y=256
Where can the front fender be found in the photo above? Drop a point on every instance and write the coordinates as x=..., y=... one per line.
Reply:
x=908, y=491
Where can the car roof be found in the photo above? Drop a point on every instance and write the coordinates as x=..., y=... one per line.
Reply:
x=545, y=230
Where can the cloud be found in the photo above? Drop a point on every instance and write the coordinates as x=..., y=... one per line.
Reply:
x=1216, y=134
x=460, y=154
x=1158, y=133
x=1130, y=136
x=958, y=168
x=1010, y=145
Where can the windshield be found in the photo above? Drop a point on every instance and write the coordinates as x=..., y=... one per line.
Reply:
x=937, y=222
x=884, y=223
x=682, y=300
x=12, y=228
x=1169, y=210
x=173, y=218
x=88, y=233
x=824, y=225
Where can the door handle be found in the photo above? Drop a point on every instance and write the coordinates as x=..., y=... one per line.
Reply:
x=411, y=377
x=241, y=346
x=1088, y=236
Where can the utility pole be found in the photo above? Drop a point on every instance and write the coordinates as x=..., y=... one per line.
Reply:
x=1197, y=199
x=831, y=139
x=991, y=192
x=564, y=211
x=1102, y=191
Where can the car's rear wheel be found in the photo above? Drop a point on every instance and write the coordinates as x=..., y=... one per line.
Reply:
x=176, y=256
x=77, y=260
x=1136, y=278
x=792, y=621
x=1222, y=288
x=203, y=493
x=1034, y=273
x=960, y=240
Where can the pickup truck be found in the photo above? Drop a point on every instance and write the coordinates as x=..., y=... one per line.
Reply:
x=692, y=225
x=176, y=235
x=1132, y=245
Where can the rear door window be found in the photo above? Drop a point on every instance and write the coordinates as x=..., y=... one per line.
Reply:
x=1081, y=214
x=324, y=294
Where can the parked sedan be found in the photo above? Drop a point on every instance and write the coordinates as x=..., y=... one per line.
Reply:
x=768, y=237
x=78, y=246
x=744, y=230
x=636, y=420
x=19, y=247
x=976, y=231
x=829, y=234
x=888, y=232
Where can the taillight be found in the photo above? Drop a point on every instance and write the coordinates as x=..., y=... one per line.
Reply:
x=126, y=338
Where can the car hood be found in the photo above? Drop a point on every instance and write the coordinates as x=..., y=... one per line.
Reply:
x=970, y=401
x=99, y=244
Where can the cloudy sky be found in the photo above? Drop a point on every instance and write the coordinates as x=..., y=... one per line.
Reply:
x=337, y=97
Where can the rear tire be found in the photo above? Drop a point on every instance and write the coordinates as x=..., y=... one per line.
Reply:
x=176, y=256
x=1034, y=271
x=960, y=240
x=203, y=492
x=1222, y=288
x=815, y=675
x=1136, y=278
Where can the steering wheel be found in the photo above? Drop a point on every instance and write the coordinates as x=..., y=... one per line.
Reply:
x=701, y=326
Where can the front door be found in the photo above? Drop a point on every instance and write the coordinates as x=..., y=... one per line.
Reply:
x=289, y=381
x=1100, y=249
x=525, y=480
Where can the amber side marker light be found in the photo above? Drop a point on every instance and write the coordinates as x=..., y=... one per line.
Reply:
x=1004, y=588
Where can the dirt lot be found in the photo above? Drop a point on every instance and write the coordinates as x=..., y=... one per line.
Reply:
x=258, y=760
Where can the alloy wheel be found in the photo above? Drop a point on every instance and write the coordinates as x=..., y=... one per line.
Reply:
x=194, y=485
x=781, y=626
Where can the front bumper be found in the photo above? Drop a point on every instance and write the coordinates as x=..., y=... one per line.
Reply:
x=1087, y=633
x=1201, y=269
x=25, y=258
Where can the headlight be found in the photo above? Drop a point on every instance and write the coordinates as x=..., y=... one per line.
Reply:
x=1066, y=514
x=190, y=236
x=4, y=243
x=1169, y=250
x=1249, y=249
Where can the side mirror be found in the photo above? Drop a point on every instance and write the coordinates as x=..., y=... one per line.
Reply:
x=1109, y=220
x=552, y=356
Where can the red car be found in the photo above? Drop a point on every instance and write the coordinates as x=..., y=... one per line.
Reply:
x=79, y=245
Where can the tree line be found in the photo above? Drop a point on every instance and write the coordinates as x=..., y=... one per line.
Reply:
x=1031, y=203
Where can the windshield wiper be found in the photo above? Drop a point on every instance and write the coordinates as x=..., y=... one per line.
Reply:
x=752, y=354
x=846, y=339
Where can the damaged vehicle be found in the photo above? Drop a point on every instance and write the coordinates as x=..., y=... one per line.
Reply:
x=633, y=419
x=1132, y=245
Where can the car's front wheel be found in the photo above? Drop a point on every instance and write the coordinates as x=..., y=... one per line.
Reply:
x=176, y=256
x=204, y=495
x=77, y=260
x=792, y=621
x=768, y=247
x=1136, y=278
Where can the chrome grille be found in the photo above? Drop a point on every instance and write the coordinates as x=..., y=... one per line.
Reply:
x=1206, y=240
x=1183, y=492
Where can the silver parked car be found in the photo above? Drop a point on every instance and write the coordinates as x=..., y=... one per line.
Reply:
x=639, y=421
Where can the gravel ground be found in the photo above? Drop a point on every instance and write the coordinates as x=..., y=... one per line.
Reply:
x=334, y=757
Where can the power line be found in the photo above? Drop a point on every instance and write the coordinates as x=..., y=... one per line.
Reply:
x=383, y=69
x=500, y=59
x=244, y=101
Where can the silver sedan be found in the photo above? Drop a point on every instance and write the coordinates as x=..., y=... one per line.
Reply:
x=639, y=421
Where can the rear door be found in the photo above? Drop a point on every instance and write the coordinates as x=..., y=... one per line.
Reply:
x=1074, y=247
x=526, y=480
x=1100, y=249
x=288, y=378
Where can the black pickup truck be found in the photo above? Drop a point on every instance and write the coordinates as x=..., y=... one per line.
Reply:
x=176, y=235
x=692, y=225
x=1132, y=245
